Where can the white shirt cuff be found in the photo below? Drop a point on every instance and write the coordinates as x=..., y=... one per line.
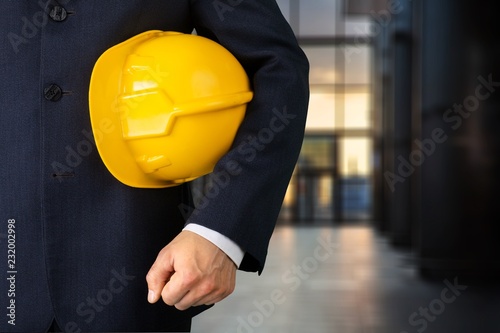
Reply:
x=230, y=248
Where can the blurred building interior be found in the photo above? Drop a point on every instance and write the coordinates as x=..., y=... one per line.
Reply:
x=400, y=165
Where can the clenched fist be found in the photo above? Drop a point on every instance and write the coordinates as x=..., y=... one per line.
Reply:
x=191, y=271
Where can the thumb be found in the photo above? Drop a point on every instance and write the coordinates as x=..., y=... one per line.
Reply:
x=158, y=276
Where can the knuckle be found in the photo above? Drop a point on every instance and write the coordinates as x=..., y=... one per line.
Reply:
x=208, y=287
x=190, y=278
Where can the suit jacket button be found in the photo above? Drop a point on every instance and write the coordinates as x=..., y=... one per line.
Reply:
x=52, y=93
x=58, y=13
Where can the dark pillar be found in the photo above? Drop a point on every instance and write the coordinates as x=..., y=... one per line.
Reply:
x=400, y=216
x=457, y=122
x=381, y=80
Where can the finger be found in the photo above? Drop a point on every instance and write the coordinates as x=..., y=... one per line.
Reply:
x=197, y=295
x=206, y=300
x=158, y=276
x=214, y=289
x=206, y=292
x=209, y=300
x=214, y=297
x=177, y=288
x=190, y=300
x=185, y=303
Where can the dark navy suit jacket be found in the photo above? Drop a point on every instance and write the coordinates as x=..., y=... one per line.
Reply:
x=83, y=242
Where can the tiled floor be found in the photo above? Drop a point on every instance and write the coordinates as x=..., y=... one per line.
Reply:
x=347, y=280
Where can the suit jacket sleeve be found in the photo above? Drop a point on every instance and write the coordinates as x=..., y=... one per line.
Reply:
x=250, y=181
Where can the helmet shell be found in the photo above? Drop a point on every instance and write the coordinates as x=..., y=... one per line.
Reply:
x=174, y=101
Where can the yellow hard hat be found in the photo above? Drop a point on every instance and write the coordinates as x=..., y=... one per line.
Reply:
x=173, y=102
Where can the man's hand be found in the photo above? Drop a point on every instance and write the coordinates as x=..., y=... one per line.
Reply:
x=191, y=271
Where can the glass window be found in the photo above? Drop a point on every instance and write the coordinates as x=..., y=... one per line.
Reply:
x=323, y=192
x=285, y=8
x=357, y=111
x=361, y=27
x=358, y=64
x=321, y=114
x=317, y=152
x=354, y=156
x=317, y=17
x=356, y=60
x=335, y=157
x=322, y=64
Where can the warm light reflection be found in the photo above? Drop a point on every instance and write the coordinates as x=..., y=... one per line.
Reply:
x=355, y=157
x=356, y=113
x=321, y=114
x=322, y=74
x=325, y=192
